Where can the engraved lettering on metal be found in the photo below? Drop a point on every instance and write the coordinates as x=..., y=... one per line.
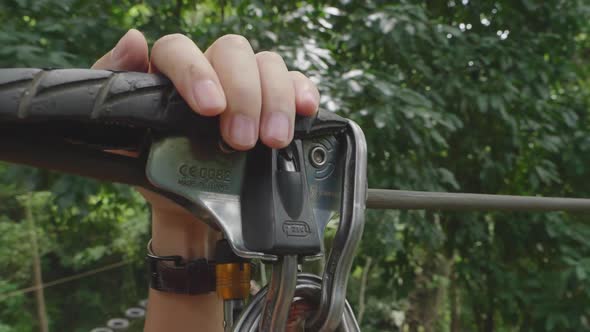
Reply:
x=208, y=178
x=296, y=229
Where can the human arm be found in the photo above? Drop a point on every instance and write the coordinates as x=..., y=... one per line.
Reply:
x=255, y=96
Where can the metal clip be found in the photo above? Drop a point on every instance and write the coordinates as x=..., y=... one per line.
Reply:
x=329, y=292
x=352, y=221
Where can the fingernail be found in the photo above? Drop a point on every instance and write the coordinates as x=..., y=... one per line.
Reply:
x=119, y=51
x=242, y=131
x=207, y=97
x=277, y=127
x=310, y=97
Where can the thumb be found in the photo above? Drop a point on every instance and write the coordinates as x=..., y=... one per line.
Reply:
x=130, y=53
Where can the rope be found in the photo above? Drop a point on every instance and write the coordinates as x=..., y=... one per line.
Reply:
x=6, y=295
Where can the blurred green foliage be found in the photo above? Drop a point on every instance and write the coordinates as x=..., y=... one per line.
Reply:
x=459, y=95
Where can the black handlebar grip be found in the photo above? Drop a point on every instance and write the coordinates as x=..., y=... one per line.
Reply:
x=126, y=99
x=102, y=97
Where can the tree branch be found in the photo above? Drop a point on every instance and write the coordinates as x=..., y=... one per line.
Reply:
x=363, y=290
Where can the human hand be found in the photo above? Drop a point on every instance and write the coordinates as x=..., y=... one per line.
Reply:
x=255, y=96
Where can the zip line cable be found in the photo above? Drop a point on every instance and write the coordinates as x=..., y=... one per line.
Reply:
x=424, y=200
x=6, y=295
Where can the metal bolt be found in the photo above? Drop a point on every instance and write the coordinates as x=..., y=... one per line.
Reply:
x=318, y=156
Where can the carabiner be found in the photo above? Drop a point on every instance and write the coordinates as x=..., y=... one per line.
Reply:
x=328, y=294
x=348, y=235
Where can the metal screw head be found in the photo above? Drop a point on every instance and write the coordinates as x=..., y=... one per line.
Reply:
x=318, y=156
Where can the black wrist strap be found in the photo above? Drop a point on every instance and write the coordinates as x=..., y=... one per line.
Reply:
x=173, y=274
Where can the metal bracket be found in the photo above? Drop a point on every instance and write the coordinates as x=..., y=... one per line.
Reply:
x=208, y=177
x=211, y=178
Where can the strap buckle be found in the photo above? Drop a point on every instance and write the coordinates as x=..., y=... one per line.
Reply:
x=192, y=277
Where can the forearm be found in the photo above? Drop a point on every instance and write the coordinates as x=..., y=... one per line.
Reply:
x=177, y=232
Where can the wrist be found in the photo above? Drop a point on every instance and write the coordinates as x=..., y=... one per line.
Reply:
x=180, y=233
x=176, y=231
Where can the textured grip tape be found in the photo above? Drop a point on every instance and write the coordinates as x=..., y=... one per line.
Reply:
x=68, y=97
x=94, y=96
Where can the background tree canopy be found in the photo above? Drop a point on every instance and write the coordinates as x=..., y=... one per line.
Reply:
x=459, y=95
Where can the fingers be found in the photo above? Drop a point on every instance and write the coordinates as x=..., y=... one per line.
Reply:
x=255, y=95
x=233, y=59
x=278, y=100
x=130, y=53
x=177, y=57
x=307, y=96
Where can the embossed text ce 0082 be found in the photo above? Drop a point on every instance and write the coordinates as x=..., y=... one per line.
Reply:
x=210, y=178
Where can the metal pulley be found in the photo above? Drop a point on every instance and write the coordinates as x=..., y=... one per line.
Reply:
x=269, y=310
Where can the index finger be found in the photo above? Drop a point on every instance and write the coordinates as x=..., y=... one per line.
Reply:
x=177, y=57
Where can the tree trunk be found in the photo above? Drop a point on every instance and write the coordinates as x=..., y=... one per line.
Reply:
x=425, y=301
x=178, y=12
x=37, y=273
x=489, y=321
x=455, y=304
x=222, y=10
x=364, y=280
